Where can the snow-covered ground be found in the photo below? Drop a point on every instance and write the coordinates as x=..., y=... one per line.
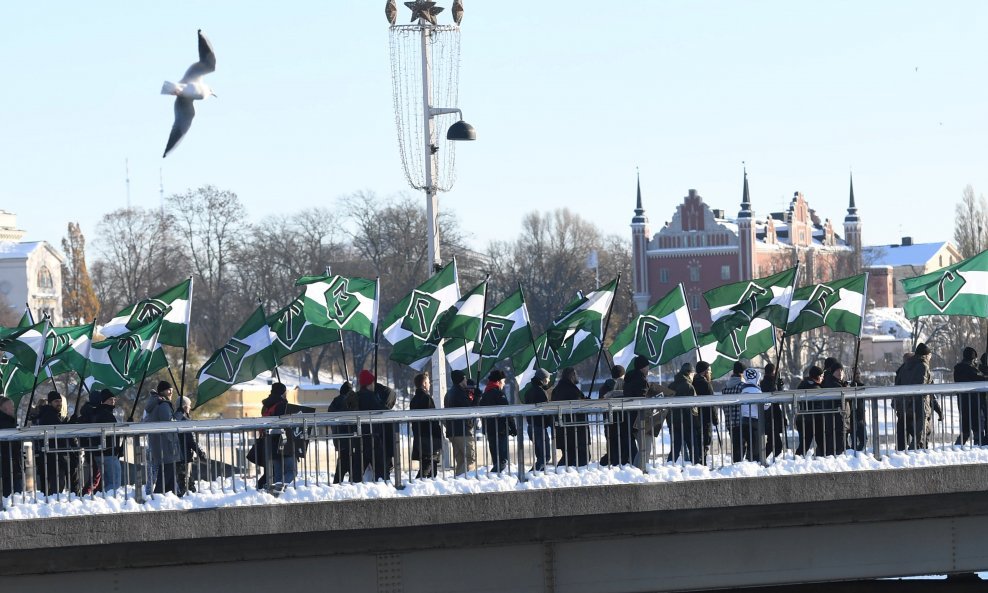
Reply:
x=238, y=492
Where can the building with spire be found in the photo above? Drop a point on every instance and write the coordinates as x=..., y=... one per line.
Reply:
x=704, y=248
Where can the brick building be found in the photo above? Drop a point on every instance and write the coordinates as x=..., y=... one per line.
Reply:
x=704, y=248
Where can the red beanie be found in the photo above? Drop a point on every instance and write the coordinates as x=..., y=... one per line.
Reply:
x=366, y=378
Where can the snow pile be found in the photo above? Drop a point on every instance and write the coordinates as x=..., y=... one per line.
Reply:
x=887, y=321
x=221, y=493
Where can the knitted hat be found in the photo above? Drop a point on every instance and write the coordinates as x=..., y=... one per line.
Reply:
x=922, y=349
x=163, y=385
x=365, y=377
x=457, y=377
x=53, y=395
x=970, y=353
x=702, y=366
x=278, y=389
x=814, y=372
x=686, y=369
x=738, y=367
x=104, y=395
x=495, y=375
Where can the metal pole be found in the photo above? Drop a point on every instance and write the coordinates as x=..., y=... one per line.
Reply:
x=431, y=196
x=607, y=322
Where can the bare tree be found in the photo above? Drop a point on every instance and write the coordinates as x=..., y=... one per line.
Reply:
x=971, y=223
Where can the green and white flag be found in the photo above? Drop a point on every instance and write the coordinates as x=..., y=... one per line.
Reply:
x=526, y=361
x=411, y=326
x=67, y=349
x=464, y=318
x=294, y=332
x=16, y=382
x=580, y=346
x=839, y=305
x=663, y=332
x=506, y=329
x=249, y=353
x=341, y=302
x=586, y=312
x=960, y=289
x=460, y=356
x=27, y=346
x=745, y=342
x=735, y=305
x=175, y=304
x=118, y=362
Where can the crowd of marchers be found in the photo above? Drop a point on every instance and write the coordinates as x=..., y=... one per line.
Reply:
x=751, y=431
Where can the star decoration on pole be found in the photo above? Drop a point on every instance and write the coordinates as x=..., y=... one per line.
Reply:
x=424, y=9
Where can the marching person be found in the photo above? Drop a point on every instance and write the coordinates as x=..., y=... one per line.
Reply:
x=702, y=384
x=972, y=420
x=372, y=448
x=684, y=422
x=751, y=415
x=347, y=446
x=460, y=432
x=188, y=447
x=572, y=435
x=162, y=447
x=918, y=410
x=53, y=466
x=540, y=427
x=732, y=413
x=107, y=459
x=11, y=475
x=497, y=430
x=427, y=435
x=775, y=432
x=830, y=426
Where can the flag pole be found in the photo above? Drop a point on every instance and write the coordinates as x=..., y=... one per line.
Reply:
x=82, y=378
x=144, y=376
x=531, y=333
x=689, y=313
x=37, y=369
x=778, y=347
x=607, y=321
x=185, y=349
x=857, y=347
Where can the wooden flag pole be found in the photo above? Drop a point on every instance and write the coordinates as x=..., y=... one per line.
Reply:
x=185, y=350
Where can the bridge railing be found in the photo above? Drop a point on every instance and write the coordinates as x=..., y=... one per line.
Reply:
x=39, y=464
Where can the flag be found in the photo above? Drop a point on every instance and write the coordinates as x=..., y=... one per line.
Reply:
x=249, y=352
x=67, y=349
x=663, y=332
x=175, y=304
x=294, y=332
x=586, y=312
x=341, y=302
x=16, y=382
x=839, y=305
x=27, y=346
x=960, y=289
x=411, y=326
x=464, y=318
x=118, y=362
x=735, y=305
x=460, y=356
x=747, y=341
x=506, y=329
x=540, y=355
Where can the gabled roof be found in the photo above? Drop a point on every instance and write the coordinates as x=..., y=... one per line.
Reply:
x=23, y=249
x=917, y=254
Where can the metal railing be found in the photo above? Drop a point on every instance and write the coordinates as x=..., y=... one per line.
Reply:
x=140, y=461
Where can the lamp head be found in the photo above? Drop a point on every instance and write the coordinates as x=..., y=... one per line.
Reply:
x=461, y=130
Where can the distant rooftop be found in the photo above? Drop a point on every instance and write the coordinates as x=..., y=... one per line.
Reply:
x=913, y=254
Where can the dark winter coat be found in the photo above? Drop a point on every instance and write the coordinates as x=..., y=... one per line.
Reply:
x=494, y=396
x=10, y=455
x=48, y=416
x=682, y=386
x=536, y=394
x=188, y=444
x=162, y=447
x=103, y=414
x=427, y=435
x=343, y=403
x=568, y=391
x=386, y=395
x=369, y=400
x=703, y=387
x=916, y=371
x=635, y=383
x=459, y=397
x=967, y=372
x=609, y=386
x=831, y=382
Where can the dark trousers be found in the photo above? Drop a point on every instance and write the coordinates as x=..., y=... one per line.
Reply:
x=167, y=479
x=372, y=453
x=686, y=437
x=775, y=432
x=497, y=443
x=542, y=441
x=972, y=419
x=828, y=430
x=737, y=443
x=621, y=445
x=573, y=442
x=805, y=429
x=751, y=449
x=53, y=472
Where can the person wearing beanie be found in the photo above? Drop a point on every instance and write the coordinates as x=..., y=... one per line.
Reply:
x=804, y=417
x=276, y=403
x=347, y=449
x=684, y=423
x=828, y=427
x=971, y=407
x=427, y=435
x=497, y=430
x=539, y=427
x=370, y=449
x=460, y=432
x=163, y=448
x=572, y=435
x=106, y=461
x=732, y=413
x=914, y=424
x=703, y=385
x=775, y=431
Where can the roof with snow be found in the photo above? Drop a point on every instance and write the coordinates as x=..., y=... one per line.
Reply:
x=917, y=254
x=11, y=250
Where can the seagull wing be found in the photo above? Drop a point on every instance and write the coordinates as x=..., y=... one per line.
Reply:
x=184, y=112
x=206, y=63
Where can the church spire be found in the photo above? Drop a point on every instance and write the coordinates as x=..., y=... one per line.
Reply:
x=745, y=198
x=639, y=210
x=852, y=209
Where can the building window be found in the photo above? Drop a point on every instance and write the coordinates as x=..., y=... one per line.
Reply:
x=44, y=279
x=663, y=275
x=725, y=272
x=694, y=273
x=695, y=302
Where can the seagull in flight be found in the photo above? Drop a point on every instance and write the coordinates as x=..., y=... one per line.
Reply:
x=191, y=88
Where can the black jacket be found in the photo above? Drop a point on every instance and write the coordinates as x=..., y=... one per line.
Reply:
x=427, y=435
x=494, y=396
x=48, y=416
x=103, y=414
x=386, y=395
x=459, y=397
x=967, y=372
x=536, y=394
x=635, y=383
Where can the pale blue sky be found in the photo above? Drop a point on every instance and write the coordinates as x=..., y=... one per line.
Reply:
x=567, y=98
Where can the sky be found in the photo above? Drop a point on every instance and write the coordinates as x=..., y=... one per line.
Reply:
x=568, y=100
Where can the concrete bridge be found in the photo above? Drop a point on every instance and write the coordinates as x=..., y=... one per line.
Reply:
x=649, y=537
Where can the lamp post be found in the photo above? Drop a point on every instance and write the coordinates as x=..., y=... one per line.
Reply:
x=427, y=153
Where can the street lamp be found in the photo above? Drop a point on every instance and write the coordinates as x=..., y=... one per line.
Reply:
x=425, y=65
